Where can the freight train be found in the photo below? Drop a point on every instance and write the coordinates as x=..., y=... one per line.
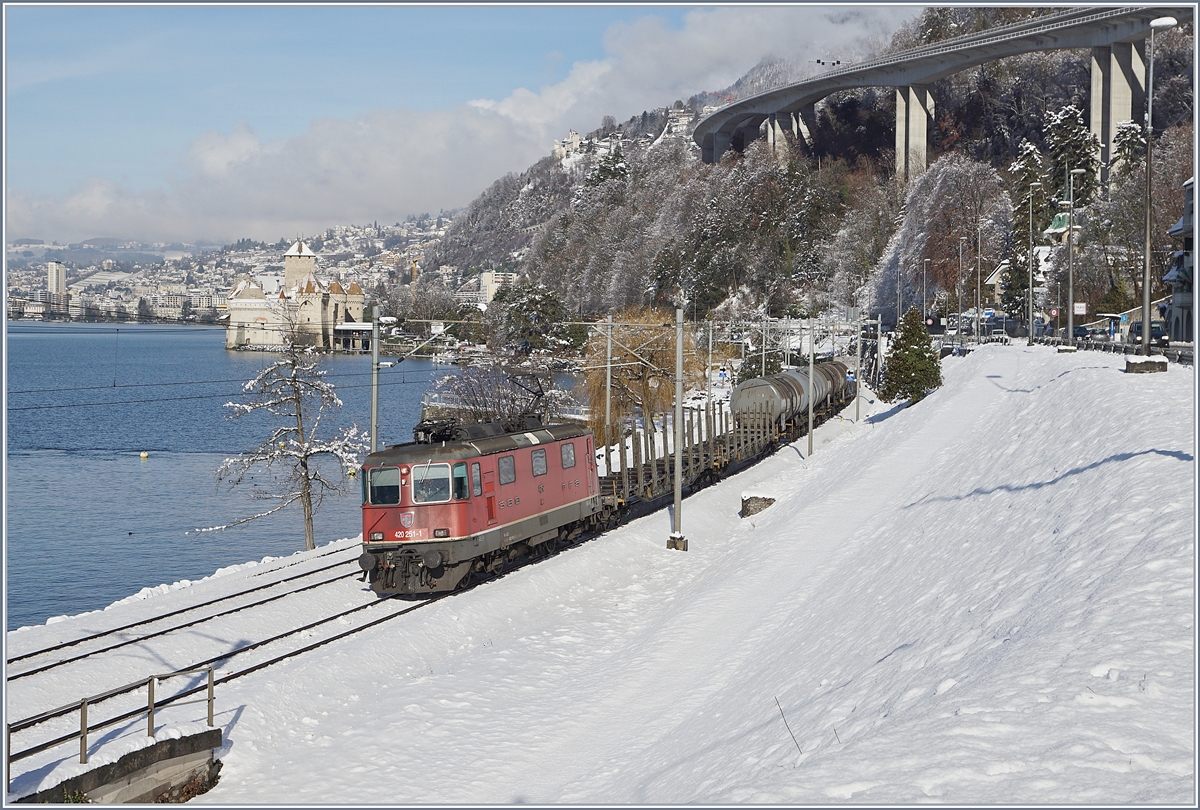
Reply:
x=784, y=397
x=462, y=500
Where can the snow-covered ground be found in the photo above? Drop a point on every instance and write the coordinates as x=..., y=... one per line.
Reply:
x=988, y=597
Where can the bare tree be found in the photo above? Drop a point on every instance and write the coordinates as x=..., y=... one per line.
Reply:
x=293, y=392
x=493, y=393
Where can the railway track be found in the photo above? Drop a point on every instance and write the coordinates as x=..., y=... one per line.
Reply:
x=642, y=484
x=115, y=631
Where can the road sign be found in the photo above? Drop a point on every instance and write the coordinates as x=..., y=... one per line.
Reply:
x=1081, y=307
x=1053, y=312
x=1124, y=319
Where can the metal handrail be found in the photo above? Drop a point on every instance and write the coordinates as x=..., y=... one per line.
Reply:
x=84, y=728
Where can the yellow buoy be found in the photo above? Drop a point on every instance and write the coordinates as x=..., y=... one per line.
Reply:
x=145, y=455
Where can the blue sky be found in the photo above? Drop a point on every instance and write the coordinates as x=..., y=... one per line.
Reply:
x=223, y=121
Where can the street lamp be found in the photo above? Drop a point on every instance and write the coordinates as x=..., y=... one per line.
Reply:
x=924, y=293
x=1071, y=256
x=958, y=287
x=1159, y=24
x=978, y=278
x=1029, y=323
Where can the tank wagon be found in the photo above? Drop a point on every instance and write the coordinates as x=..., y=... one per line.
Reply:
x=783, y=397
x=466, y=498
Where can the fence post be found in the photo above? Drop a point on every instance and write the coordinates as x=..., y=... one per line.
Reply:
x=150, y=706
x=83, y=731
x=7, y=757
x=210, y=695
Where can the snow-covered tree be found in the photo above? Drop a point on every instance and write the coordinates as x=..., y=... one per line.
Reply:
x=913, y=369
x=955, y=201
x=293, y=392
x=1072, y=146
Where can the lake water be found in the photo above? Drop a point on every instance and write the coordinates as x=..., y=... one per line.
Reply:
x=88, y=521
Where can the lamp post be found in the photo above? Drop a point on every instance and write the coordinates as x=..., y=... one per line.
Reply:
x=1071, y=256
x=924, y=289
x=1159, y=24
x=958, y=286
x=1029, y=323
x=978, y=279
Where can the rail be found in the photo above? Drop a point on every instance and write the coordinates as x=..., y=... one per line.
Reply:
x=84, y=728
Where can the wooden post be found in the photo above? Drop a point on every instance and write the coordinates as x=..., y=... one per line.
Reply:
x=83, y=731
x=666, y=456
x=150, y=706
x=637, y=460
x=624, y=463
x=651, y=460
x=210, y=696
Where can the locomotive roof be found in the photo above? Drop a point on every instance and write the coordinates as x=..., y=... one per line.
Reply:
x=421, y=452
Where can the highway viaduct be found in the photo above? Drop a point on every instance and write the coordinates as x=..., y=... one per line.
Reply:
x=1116, y=37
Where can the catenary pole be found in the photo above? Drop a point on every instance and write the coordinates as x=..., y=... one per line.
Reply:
x=608, y=399
x=1029, y=323
x=374, y=377
x=1161, y=23
x=812, y=350
x=677, y=540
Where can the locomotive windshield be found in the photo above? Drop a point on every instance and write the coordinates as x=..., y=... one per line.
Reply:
x=430, y=483
x=385, y=485
x=460, y=481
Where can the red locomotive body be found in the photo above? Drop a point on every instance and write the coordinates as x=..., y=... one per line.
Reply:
x=435, y=511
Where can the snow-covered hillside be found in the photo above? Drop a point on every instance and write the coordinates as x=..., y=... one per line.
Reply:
x=985, y=598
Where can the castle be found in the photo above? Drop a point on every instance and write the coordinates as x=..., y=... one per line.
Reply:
x=327, y=316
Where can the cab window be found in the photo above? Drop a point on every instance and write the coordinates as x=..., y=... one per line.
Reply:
x=460, y=481
x=385, y=485
x=539, y=462
x=507, y=467
x=568, y=455
x=476, y=482
x=431, y=483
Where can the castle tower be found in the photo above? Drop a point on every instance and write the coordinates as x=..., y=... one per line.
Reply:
x=298, y=262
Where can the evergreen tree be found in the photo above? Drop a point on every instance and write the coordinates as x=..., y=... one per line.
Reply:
x=1072, y=146
x=913, y=368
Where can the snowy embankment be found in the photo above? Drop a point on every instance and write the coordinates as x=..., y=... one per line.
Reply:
x=985, y=598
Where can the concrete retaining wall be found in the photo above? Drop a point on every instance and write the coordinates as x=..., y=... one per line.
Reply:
x=170, y=770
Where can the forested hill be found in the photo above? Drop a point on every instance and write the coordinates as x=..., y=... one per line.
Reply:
x=630, y=216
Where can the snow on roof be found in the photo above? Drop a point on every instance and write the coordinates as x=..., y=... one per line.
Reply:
x=299, y=249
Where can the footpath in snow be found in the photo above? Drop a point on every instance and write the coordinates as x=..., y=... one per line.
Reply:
x=984, y=598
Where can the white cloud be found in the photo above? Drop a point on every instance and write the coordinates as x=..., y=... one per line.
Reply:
x=213, y=153
x=387, y=164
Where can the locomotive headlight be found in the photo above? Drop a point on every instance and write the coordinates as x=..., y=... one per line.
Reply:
x=432, y=559
x=375, y=536
x=440, y=533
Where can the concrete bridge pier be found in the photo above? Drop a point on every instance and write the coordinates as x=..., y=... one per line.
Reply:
x=1118, y=94
x=914, y=110
x=715, y=145
x=778, y=126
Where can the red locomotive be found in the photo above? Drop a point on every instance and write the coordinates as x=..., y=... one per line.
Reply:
x=463, y=499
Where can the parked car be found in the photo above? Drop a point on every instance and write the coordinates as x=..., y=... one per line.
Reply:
x=1000, y=335
x=1098, y=335
x=1158, y=333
